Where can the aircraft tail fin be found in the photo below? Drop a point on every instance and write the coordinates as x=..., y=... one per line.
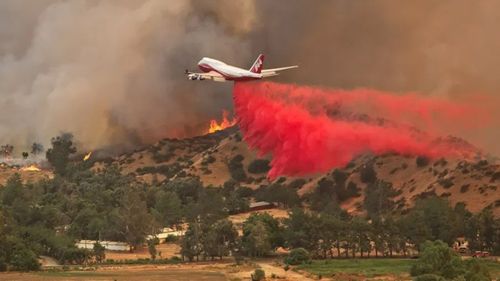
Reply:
x=258, y=64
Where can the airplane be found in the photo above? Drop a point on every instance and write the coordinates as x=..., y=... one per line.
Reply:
x=219, y=71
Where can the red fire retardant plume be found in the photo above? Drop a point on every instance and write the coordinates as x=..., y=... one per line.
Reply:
x=310, y=130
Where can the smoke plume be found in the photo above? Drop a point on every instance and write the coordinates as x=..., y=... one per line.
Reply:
x=110, y=71
x=310, y=130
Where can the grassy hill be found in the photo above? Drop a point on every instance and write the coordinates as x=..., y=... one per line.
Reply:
x=223, y=156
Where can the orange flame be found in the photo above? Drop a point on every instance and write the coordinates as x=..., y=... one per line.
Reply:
x=225, y=123
x=87, y=157
x=30, y=168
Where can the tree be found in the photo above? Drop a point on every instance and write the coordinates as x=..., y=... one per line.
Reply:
x=25, y=155
x=297, y=256
x=440, y=262
x=6, y=150
x=152, y=248
x=236, y=204
x=135, y=219
x=236, y=169
x=275, y=232
x=259, y=166
x=360, y=231
x=24, y=259
x=58, y=155
x=220, y=239
x=378, y=198
x=367, y=173
x=36, y=148
x=168, y=208
x=256, y=241
x=483, y=231
x=286, y=197
x=13, y=190
x=191, y=243
x=99, y=252
x=302, y=230
x=433, y=220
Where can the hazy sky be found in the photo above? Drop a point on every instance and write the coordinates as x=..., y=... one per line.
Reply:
x=111, y=71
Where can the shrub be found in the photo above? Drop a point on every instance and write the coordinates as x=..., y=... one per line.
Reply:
x=495, y=177
x=422, y=161
x=297, y=184
x=297, y=256
x=439, y=262
x=445, y=183
x=208, y=160
x=368, y=174
x=258, y=275
x=464, y=188
x=23, y=259
x=259, y=166
x=236, y=168
x=171, y=238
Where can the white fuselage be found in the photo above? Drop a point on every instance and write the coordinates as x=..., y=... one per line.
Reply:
x=229, y=72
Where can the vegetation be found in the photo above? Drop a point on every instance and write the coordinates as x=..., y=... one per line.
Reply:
x=47, y=217
x=236, y=169
x=297, y=256
x=258, y=275
x=439, y=262
x=58, y=155
x=366, y=267
x=259, y=166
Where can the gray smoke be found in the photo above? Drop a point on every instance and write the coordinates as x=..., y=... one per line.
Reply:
x=445, y=49
x=111, y=71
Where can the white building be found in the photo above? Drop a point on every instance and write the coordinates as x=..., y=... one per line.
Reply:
x=167, y=231
x=108, y=245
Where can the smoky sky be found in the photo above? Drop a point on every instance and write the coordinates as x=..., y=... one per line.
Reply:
x=111, y=72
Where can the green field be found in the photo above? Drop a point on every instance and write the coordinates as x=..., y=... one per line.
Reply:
x=125, y=275
x=371, y=267
x=366, y=267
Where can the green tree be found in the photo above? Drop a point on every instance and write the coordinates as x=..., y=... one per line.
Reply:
x=378, y=198
x=437, y=261
x=434, y=218
x=303, y=230
x=135, y=219
x=24, y=259
x=168, y=208
x=259, y=166
x=297, y=256
x=58, y=155
x=360, y=233
x=275, y=233
x=36, y=148
x=152, y=248
x=99, y=252
x=367, y=173
x=256, y=242
x=191, y=243
x=220, y=239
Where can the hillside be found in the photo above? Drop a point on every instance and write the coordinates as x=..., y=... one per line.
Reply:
x=26, y=173
x=473, y=182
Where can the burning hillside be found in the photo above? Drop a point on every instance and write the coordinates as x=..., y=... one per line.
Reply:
x=226, y=122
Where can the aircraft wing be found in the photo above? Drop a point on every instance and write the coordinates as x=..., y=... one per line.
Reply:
x=275, y=71
x=212, y=75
